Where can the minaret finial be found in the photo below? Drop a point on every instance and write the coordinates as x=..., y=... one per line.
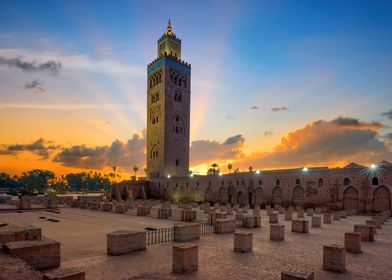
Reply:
x=169, y=28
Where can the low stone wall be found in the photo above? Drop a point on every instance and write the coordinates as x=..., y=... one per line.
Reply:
x=300, y=225
x=224, y=226
x=125, y=241
x=185, y=258
x=40, y=254
x=186, y=232
x=352, y=242
x=334, y=258
x=243, y=242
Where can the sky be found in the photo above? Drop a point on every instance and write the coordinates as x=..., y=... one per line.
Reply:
x=275, y=84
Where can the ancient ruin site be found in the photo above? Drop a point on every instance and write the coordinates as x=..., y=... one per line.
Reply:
x=301, y=190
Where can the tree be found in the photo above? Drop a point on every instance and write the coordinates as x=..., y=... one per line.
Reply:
x=35, y=181
x=213, y=170
x=7, y=182
x=250, y=169
x=229, y=166
x=135, y=168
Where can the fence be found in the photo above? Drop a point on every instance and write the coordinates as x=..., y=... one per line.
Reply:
x=202, y=217
x=159, y=236
x=206, y=229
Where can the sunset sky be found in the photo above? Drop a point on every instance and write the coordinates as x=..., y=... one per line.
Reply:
x=275, y=84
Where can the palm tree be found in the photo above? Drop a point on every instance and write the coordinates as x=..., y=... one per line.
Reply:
x=250, y=169
x=135, y=168
x=229, y=166
x=114, y=172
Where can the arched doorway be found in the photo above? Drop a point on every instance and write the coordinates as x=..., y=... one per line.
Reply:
x=222, y=195
x=258, y=196
x=240, y=199
x=209, y=195
x=381, y=199
x=277, y=196
x=350, y=198
x=298, y=196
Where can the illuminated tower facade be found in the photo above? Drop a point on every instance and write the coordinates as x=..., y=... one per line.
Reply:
x=168, y=110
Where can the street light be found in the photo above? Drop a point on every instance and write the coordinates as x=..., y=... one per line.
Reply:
x=168, y=176
x=257, y=171
x=305, y=169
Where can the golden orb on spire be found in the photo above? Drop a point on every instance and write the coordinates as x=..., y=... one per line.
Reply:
x=169, y=28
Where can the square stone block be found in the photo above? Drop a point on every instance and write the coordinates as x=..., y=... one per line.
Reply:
x=125, y=241
x=256, y=212
x=11, y=235
x=40, y=254
x=336, y=216
x=268, y=207
x=327, y=217
x=276, y=207
x=372, y=223
x=143, y=210
x=248, y=221
x=352, y=242
x=310, y=211
x=276, y=232
x=300, y=213
x=297, y=274
x=120, y=208
x=281, y=210
x=65, y=274
x=317, y=210
x=185, y=258
x=291, y=208
x=343, y=214
x=257, y=221
x=288, y=216
x=243, y=241
x=224, y=225
x=273, y=218
x=186, y=232
x=316, y=221
x=334, y=258
x=367, y=232
x=300, y=225
x=106, y=206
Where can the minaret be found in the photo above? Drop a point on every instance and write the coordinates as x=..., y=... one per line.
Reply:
x=168, y=109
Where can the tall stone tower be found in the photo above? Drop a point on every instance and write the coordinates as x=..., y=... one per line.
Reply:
x=168, y=110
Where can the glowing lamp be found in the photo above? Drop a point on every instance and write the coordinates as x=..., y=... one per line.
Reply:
x=168, y=176
x=373, y=166
x=191, y=175
x=305, y=169
x=220, y=174
x=257, y=171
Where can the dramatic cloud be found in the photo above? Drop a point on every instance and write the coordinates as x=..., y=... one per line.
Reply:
x=254, y=108
x=35, y=85
x=268, y=133
x=119, y=154
x=324, y=143
x=355, y=123
x=387, y=114
x=278, y=109
x=40, y=147
x=50, y=66
x=205, y=150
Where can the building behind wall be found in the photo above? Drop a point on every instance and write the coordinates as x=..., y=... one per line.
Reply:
x=168, y=125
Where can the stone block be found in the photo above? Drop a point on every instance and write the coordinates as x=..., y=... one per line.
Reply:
x=106, y=206
x=291, y=208
x=40, y=254
x=372, y=223
x=316, y=221
x=343, y=214
x=74, y=203
x=297, y=274
x=327, y=217
x=220, y=216
x=243, y=242
x=11, y=235
x=276, y=207
x=24, y=205
x=186, y=232
x=288, y=216
x=256, y=212
x=300, y=213
x=281, y=210
x=310, y=211
x=270, y=211
x=276, y=232
x=164, y=213
x=185, y=258
x=65, y=274
x=120, y=208
x=336, y=216
x=51, y=203
x=248, y=221
x=334, y=258
x=367, y=232
x=267, y=207
x=224, y=226
x=143, y=210
x=300, y=225
x=188, y=215
x=317, y=210
x=352, y=242
x=257, y=221
x=125, y=241
x=273, y=218
x=94, y=205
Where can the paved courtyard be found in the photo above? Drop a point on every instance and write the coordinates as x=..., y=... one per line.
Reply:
x=82, y=234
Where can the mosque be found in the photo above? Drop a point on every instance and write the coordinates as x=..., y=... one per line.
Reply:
x=356, y=187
